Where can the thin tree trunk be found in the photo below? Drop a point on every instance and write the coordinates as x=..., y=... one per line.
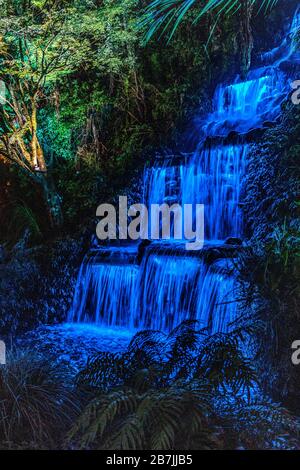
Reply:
x=21, y=146
x=246, y=36
x=52, y=200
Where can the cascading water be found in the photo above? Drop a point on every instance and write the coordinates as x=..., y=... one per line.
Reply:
x=170, y=286
x=213, y=177
x=177, y=288
x=216, y=303
x=104, y=293
x=246, y=105
x=286, y=50
x=168, y=290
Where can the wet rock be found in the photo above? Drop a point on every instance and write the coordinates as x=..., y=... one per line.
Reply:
x=141, y=250
x=269, y=124
x=170, y=200
x=233, y=241
x=254, y=135
x=232, y=136
x=172, y=184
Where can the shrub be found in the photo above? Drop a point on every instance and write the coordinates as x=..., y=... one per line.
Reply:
x=36, y=402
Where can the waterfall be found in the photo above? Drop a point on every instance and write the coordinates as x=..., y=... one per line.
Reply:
x=246, y=105
x=212, y=176
x=168, y=290
x=286, y=50
x=118, y=287
x=104, y=293
x=165, y=291
x=177, y=288
x=216, y=303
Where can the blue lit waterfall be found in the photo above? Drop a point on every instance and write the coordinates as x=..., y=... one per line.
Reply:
x=104, y=293
x=213, y=177
x=246, y=105
x=166, y=285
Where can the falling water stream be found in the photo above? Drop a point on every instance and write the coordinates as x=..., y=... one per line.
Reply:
x=168, y=285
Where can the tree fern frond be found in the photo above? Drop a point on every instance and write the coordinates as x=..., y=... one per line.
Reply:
x=167, y=15
x=129, y=436
x=99, y=415
x=104, y=370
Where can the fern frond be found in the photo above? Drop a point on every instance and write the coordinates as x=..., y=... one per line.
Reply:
x=166, y=15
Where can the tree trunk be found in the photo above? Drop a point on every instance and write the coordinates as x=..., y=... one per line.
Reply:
x=246, y=36
x=52, y=200
x=21, y=145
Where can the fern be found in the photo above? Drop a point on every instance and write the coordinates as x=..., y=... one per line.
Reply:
x=128, y=420
x=185, y=390
x=167, y=15
x=160, y=394
x=23, y=219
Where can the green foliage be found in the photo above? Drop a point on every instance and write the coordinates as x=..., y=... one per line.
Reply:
x=19, y=210
x=167, y=15
x=271, y=207
x=105, y=102
x=80, y=188
x=23, y=219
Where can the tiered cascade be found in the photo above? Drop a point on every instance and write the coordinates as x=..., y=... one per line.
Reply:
x=170, y=285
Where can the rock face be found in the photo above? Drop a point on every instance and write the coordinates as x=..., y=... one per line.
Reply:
x=233, y=241
x=37, y=285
